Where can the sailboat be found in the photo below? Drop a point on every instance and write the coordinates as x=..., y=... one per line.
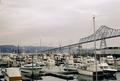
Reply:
x=31, y=70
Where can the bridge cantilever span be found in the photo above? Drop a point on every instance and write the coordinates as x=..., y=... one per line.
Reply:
x=103, y=32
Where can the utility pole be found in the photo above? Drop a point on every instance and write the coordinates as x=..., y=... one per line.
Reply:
x=95, y=45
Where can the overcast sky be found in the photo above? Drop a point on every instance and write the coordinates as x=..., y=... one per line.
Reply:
x=54, y=22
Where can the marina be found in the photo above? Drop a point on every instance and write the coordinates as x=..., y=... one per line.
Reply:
x=59, y=40
x=95, y=64
x=69, y=69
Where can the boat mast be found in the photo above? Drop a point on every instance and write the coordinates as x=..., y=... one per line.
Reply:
x=0, y=53
x=32, y=66
x=36, y=59
x=40, y=48
x=95, y=45
x=18, y=53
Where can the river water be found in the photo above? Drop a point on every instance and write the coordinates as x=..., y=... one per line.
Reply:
x=81, y=78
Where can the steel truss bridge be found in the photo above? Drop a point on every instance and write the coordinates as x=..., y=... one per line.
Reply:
x=102, y=33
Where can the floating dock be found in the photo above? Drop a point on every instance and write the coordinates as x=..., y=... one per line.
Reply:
x=12, y=74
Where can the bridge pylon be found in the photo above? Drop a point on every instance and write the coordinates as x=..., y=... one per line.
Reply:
x=103, y=45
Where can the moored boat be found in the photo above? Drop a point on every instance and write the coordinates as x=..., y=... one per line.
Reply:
x=107, y=70
x=30, y=70
x=90, y=70
x=110, y=60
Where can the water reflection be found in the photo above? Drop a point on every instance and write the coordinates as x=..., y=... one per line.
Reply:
x=89, y=78
x=81, y=78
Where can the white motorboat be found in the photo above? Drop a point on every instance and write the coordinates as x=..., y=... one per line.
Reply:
x=89, y=60
x=30, y=70
x=70, y=64
x=90, y=70
x=71, y=67
x=107, y=70
x=110, y=60
x=50, y=62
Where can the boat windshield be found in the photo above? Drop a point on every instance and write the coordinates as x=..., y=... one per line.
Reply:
x=104, y=67
x=30, y=65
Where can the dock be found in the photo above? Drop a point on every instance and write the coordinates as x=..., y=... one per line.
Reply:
x=12, y=74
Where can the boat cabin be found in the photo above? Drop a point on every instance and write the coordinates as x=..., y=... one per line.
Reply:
x=12, y=74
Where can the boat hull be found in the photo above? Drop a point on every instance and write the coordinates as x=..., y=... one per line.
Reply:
x=108, y=73
x=91, y=73
x=70, y=69
x=30, y=71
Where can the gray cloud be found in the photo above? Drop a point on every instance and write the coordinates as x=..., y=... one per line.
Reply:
x=54, y=20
